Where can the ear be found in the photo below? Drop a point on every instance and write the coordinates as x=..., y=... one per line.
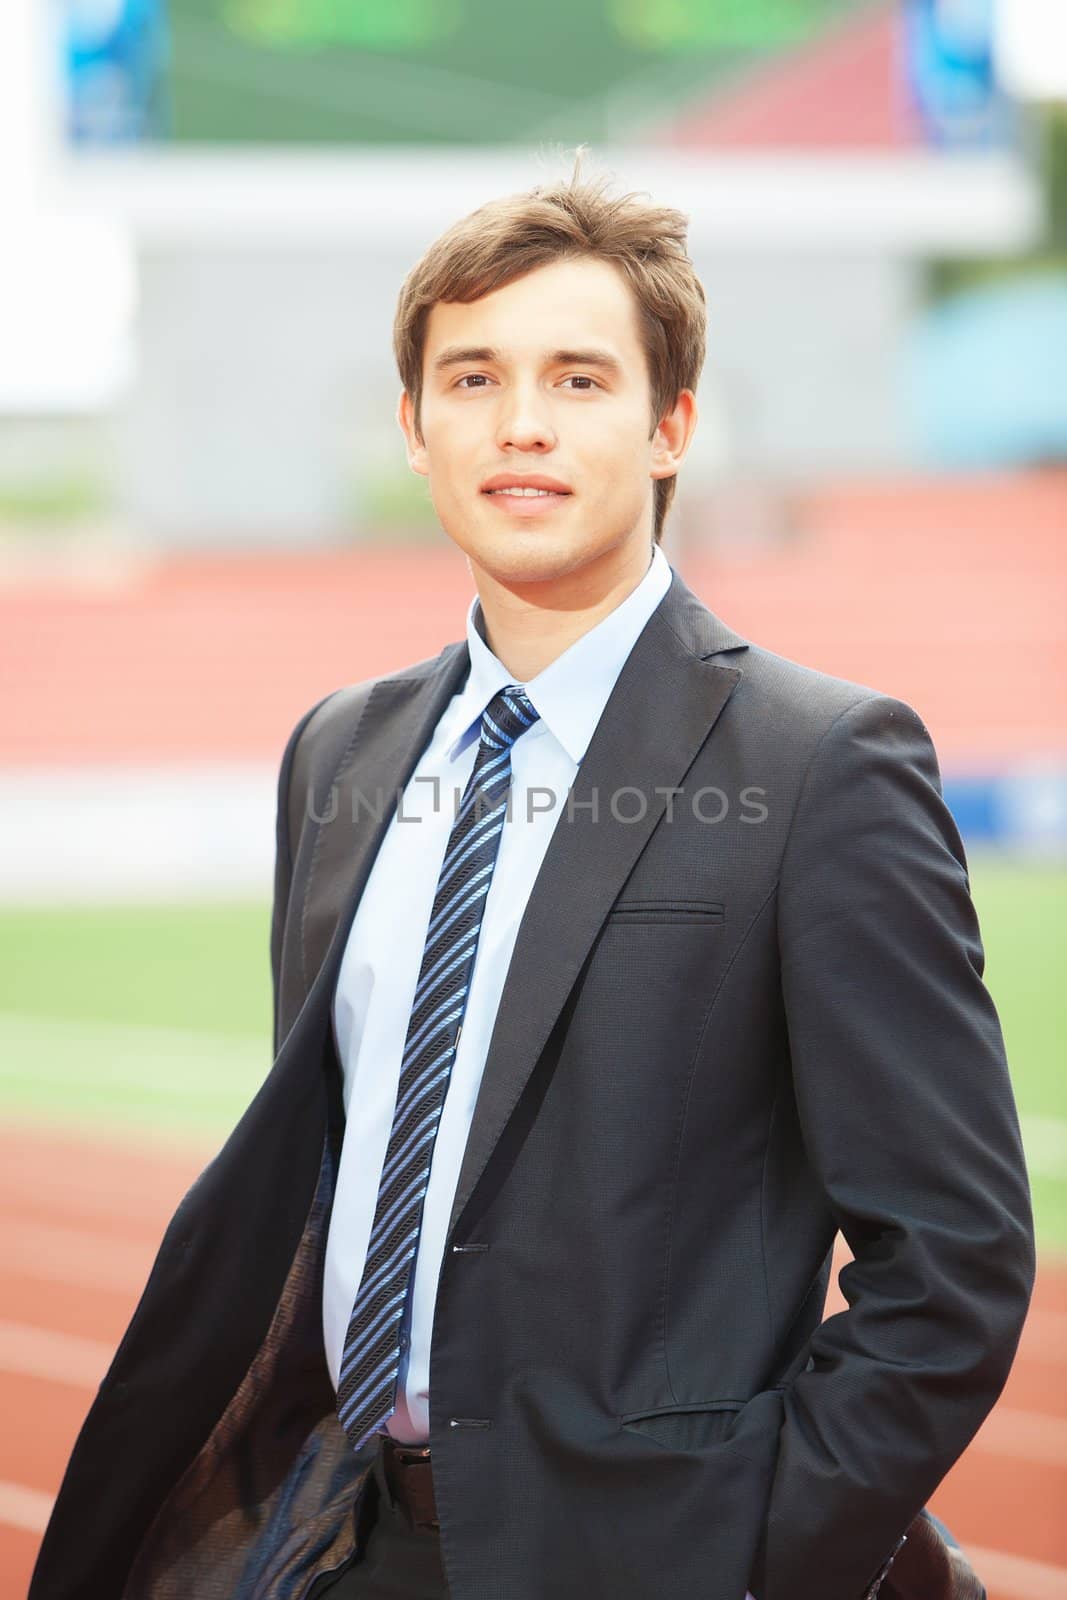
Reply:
x=418, y=458
x=672, y=437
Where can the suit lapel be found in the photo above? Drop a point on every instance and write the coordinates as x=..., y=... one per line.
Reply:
x=383, y=751
x=662, y=709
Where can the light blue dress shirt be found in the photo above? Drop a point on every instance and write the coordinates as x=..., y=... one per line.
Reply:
x=380, y=966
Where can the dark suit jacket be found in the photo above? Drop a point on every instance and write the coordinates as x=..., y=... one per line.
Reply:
x=745, y=1009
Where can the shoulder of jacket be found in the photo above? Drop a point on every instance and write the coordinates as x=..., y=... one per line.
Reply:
x=323, y=731
x=813, y=701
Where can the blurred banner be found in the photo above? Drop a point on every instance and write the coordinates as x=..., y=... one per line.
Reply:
x=116, y=60
x=950, y=70
x=469, y=72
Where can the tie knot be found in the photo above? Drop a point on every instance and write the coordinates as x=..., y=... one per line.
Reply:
x=508, y=714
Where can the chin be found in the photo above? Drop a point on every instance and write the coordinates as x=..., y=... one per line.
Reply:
x=530, y=559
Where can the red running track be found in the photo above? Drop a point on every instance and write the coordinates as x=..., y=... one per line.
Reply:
x=948, y=594
x=75, y=1252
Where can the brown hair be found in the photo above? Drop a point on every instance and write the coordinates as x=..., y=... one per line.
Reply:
x=507, y=238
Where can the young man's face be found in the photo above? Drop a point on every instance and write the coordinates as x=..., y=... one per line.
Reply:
x=544, y=383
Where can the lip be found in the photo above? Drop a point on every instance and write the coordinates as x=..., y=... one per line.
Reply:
x=534, y=480
x=523, y=505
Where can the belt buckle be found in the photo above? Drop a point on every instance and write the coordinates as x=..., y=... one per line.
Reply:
x=405, y=1453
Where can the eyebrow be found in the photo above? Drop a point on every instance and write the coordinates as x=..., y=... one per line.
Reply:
x=459, y=356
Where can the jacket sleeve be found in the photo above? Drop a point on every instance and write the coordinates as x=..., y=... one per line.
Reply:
x=908, y=1118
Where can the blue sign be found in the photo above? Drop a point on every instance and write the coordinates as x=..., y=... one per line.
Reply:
x=950, y=71
x=115, y=63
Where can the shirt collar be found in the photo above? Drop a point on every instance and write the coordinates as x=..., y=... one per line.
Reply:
x=570, y=694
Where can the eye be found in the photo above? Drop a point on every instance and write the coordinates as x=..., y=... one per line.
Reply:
x=478, y=380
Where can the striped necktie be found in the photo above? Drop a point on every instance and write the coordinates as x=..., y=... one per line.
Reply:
x=366, y=1391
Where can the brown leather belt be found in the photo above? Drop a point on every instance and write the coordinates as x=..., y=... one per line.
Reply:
x=410, y=1478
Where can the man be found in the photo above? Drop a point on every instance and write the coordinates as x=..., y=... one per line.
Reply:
x=618, y=963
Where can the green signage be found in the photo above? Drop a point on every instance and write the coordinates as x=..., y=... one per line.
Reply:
x=464, y=72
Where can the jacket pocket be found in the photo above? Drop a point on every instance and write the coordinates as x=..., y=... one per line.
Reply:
x=690, y=1426
x=632, y=911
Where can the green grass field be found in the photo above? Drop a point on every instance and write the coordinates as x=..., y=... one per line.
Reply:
x=160, y=1017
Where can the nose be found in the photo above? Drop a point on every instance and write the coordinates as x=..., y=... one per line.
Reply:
x=524, y=422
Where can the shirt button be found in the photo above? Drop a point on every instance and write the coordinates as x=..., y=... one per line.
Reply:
x=403, y=1339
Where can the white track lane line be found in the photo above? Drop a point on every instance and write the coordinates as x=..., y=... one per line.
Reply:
x=75, y=1256
x=28, y=1510
x=33, y=1352
x=1045, y=1336
x=1024, y=1436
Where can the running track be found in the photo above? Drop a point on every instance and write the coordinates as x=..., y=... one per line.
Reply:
x=75, y=1252
x=948, y=594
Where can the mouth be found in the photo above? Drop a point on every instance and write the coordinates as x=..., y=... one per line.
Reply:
x=527, y=499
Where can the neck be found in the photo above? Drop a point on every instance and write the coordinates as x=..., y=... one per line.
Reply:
x=528, y=625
